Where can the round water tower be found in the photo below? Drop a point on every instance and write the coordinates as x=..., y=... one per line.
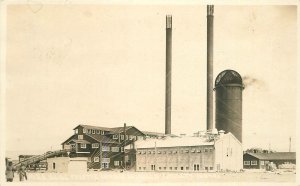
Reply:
x=228, y=91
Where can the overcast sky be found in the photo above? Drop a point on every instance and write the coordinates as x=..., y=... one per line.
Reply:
x=104, y=65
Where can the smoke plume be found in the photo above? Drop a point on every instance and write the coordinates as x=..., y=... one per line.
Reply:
x=250, y=81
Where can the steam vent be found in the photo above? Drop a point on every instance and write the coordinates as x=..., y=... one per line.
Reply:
x=229, y=87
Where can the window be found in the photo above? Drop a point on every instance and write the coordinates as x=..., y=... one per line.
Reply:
x=84, y=131
x=96, y=159
x=149, y=152
x=76, y=131
x=115, y=149
x=205, y=150
x=122, y=149
x=181, y=168
x=116, y=163
x=152, y=167
x=159, y=168
x=170, y=168
x=253, y=162
x=246, y=162
x=115, y=136
x=199, y=151
x=83, y=145
x=158, y=152
x=122, y=137
x=80, y=137
x=144, y=168
x=186, y=168
x=165, y=168
x=262, y=163
x=104, y=165
x=174, y=152
x=105, y=148
x=210, y=150
x=211, y=168
x=95, y=145
x=53, y=165
x=186, y=151
x=93, y=131
x=102, y=132
x=175, y=168
x=140, y=168
x=98, y=131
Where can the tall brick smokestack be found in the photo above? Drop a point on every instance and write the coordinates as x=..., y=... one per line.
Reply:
x=210, y=37
x=168, y=74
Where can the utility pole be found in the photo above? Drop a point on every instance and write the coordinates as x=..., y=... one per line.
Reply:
x=124, y=160
x=155, y=150
x=100, y=155
x=290, y=144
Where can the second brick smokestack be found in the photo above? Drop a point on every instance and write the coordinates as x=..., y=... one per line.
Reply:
x=210, y=37
x=168, y=74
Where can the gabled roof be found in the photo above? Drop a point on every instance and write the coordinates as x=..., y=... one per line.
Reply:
x=119, y=129
x=173, y=142
x=112, y=130
x=93, y=127
x=274, y=155
x=227, y=135
x=158, y=134
x=73, y=136
x=153, y=133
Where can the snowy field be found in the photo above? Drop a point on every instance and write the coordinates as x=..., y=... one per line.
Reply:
x=160, y=177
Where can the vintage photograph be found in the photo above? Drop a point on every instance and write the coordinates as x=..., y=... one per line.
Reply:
x=167, y=92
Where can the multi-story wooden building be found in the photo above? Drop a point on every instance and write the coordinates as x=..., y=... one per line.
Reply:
x=204, y=153
x=104, y=147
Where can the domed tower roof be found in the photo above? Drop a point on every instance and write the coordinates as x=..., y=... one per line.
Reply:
x=227, y=77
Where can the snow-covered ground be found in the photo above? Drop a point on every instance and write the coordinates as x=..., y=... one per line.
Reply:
x=159, y=177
